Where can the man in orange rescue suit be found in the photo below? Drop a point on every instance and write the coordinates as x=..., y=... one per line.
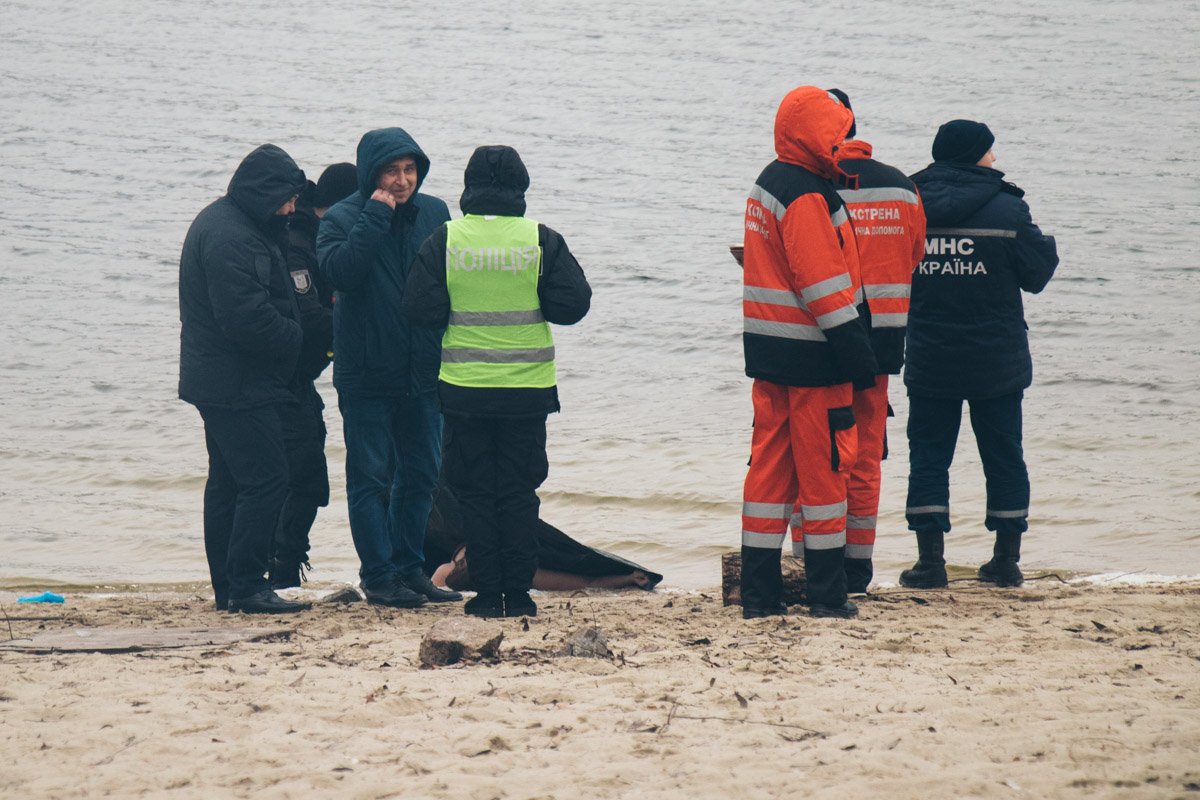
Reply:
x=805, y=344
x=889, y=226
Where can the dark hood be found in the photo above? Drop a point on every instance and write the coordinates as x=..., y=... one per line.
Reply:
x=495, y=180
x=378, y=148
x=265, y=180
x=953, y=192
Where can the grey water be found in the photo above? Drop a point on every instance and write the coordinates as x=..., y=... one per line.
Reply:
x=643, y=126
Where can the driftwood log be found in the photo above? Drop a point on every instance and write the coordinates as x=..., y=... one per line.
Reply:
x=731, y=579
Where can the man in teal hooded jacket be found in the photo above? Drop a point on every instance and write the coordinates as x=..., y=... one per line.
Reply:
x=385, y=371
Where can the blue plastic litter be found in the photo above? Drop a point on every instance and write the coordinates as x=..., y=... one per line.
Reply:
x=44, y=597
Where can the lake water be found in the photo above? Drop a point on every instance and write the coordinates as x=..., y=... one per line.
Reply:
x=643, y=126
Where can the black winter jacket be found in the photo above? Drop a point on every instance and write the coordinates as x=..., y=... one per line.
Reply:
x=365, y=249
x=240, y=333
x=314, y=295
x=967, y=335
x=563, y=291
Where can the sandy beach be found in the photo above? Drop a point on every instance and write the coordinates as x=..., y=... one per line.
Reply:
x=1050, y=690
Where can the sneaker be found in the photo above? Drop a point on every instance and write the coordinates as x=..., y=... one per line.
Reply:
x=393, y=593
x=419, y=582
x=519, y=604
x=758, y=612
x=925, y=575
x=1003, y=572
x=485, y=604
x=847, y=610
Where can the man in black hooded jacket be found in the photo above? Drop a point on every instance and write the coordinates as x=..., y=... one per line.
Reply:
x=967, y=340
x=239, y=344
x=496, y=279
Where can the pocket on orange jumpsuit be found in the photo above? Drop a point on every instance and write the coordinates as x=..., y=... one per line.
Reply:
x=843, y=439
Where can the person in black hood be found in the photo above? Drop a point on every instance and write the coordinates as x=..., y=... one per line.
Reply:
x=967, y=340
x=385, y=372
x=496, y=278
x=304, y=423
x=240, y=342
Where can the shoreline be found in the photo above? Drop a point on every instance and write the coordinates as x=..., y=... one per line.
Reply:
x=1048, y=690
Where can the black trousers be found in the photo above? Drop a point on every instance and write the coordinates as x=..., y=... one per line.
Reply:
x=247, y=484
x=308, y=475
x=494, y=466
x=933, y=424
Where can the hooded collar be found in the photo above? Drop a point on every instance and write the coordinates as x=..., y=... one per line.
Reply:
x=378, y=148
x=495, y=181
x=265, y=180
x=810, y=126
x=854, y=148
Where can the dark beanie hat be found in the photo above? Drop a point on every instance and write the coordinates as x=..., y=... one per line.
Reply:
x=337, y=182
x=962, y=141
x=844, y=99
x=495, y=181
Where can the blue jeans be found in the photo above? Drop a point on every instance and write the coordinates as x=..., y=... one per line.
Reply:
x=933, y=424
x=393, y=455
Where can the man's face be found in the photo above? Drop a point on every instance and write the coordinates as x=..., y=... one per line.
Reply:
x=988, y=159
x=398, y=177
x=289, y=207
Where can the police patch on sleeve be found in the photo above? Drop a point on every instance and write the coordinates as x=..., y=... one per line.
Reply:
x=302, y=280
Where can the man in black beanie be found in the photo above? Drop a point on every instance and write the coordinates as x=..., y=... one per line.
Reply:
x=493, y=280
x=967, y=340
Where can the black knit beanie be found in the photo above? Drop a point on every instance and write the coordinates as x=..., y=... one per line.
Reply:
x=962, y=141
x=337, y=182
x=844, y=99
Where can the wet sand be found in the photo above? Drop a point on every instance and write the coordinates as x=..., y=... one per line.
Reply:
x=1050, y=690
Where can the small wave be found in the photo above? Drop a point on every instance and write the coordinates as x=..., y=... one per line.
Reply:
x=655, y=501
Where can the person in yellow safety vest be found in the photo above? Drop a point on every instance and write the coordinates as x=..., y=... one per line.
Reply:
x=494, y=280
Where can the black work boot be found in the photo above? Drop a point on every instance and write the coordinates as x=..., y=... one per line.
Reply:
x=930, y=570
x=859, y=572
x=1002, y=570
x=288, y=574
x=519, y=604
x=416, y=580
x=762, y=583
x=485, y=604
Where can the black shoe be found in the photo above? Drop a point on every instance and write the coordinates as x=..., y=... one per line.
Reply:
x=925, y=576
x=288, y=574
x=485, y=604
x=758, y=612
x=1002, y=572
x=222, y=603
x=519, y=604
x=265, y=602
x=419, y=582
x=847, y=610
x=393, y=593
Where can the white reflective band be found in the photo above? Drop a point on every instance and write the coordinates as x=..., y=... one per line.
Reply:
x=831, y=511
x=876, y=291
x=860, y=550
x=999, y=232
x=839, y=217
x=882, y=194
x=463, y=355
x=769, y=201
x=824, y=541
x=1024, y=512
x=496, y=317
x=927, y=510
x=797, y=520
x=775, y=297
x=896, y=320
x=798, y=548
x=783, y=330
x=861, y=523
x=766, y=510
x=838, y=317
x=763, y=541
x=825, y=288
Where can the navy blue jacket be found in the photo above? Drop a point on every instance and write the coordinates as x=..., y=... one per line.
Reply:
x=365, y=249
x=967, y=335
x=240, y=332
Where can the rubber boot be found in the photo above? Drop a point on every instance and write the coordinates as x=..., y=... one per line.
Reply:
x=1002, y=570
x=825, y=583
x=859, y=572
x=762, y=583
x=930, y=570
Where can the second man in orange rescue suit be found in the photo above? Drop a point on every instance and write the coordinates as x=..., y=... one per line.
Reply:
x=805, y=344
x=889, y=227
